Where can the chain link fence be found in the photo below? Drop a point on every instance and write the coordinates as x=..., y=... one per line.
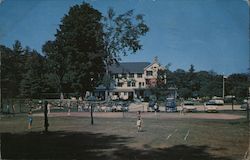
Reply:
x=19, y=106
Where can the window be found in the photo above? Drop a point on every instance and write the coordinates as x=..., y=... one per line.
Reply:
x=149, y=73
x=131, y=75
x=125, y=93
x=120, y=84
x=115, y=76
x=139, y=75
x=129, y=84
x=124, y=75
x=133, y=84
x=142, y=83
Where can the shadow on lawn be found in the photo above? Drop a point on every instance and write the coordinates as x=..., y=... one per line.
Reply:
x=58, y=145
x=78, y=145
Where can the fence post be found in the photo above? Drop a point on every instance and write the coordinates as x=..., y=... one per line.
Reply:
x=91, y=112
x=20, y=106
x=247, y=110
x=46, y=123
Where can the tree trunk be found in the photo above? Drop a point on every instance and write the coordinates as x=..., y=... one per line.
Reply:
x=107, y=87
x=106, y=94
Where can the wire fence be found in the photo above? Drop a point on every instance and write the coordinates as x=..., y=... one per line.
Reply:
x=18, y=106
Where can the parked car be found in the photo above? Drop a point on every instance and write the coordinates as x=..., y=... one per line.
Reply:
x=217, y=101
x=188, y=106
x=119, y=107
x=170, y=105
x=244, y=104
x=151, y=105
x=125, y=107
x=211, y=107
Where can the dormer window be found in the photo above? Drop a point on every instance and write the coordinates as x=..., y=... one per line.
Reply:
x=124, y=75
x=131, y=75
x=149, y=73
x=139, y=75
x=120, y=84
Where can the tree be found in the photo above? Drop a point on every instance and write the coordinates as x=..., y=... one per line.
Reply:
x=76, y=56
x=33, y=82
x=8, y=82
x=237, y=85
x=193, y=82
x=57, y=64
x=12, y=68
x=191, y=69
x=121, y=36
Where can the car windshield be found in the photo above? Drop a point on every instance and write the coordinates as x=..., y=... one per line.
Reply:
x=210, y=104
x=188, y=103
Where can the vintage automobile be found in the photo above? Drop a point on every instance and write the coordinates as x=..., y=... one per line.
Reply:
x=170, y=105
x=217, y=101
x=119, y=107
x=244, y=104
x=188, y=106
x=211, y=107
x=151, y=105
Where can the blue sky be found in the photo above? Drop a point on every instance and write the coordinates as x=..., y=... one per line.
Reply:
x=210, y=34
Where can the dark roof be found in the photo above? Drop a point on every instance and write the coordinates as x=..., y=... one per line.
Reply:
x=129, y=67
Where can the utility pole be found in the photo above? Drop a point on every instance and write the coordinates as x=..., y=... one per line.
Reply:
x=248, y=101
x=247, y=109
x=233, y=103
x=223, y=88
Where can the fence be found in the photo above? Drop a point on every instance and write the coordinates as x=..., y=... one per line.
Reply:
x=17, y=106
x=14, y=106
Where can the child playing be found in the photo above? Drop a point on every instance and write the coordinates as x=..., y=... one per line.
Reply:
x=139, y=123
x=30, y=119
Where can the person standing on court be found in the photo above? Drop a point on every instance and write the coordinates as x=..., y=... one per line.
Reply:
x=139, y=121
x=14, y=110
x=139, y=124
x=156, y=108
x=30, y=119
x=182, y=109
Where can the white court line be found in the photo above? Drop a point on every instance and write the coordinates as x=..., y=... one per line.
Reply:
x=185, y=138
x=171, y=134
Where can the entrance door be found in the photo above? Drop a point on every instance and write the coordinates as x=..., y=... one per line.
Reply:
x=130, y=95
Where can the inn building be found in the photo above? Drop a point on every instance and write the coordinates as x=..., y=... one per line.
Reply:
x=131, y=80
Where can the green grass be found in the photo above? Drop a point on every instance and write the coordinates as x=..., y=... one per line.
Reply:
x=117, y=138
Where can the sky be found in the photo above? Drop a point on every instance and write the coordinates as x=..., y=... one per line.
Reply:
x=210, y=34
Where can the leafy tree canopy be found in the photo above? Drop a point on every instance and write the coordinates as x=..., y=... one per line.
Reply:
x=76, y=56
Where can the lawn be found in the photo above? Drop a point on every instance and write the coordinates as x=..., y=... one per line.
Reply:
x=117, y=138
